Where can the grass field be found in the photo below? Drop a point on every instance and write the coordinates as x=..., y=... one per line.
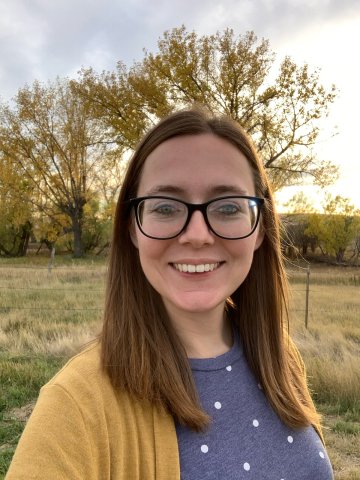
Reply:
x=331, y=351
x=46, y=317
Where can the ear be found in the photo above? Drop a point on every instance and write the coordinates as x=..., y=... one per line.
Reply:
x=259, y=238
x=132, y=232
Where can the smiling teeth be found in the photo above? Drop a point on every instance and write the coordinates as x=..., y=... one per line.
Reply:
x=204, y=267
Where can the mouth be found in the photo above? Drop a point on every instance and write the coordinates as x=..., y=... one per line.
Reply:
x=198, y=268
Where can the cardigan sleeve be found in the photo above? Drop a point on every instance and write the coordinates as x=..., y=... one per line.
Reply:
x=55, y=442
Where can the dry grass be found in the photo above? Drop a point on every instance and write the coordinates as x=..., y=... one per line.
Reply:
x=331, y=344
x=49, y=313
x=343, y=447
x=330, y=347
x=45, y=318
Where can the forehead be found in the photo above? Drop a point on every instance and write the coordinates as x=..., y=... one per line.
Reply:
x=196, y=163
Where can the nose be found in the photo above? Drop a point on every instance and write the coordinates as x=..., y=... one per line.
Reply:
x=197, y=232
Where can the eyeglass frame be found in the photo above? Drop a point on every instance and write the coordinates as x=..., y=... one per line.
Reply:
x=191, y=208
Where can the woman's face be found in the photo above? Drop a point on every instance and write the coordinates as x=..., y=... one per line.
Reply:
x=196, y=169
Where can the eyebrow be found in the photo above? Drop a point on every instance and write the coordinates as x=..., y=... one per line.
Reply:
x=211, y=190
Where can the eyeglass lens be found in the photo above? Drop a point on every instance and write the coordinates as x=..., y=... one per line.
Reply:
x=232, y=217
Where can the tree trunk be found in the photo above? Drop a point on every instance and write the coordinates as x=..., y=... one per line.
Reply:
x=77, y=235
x=24, y=239
x=340, y=254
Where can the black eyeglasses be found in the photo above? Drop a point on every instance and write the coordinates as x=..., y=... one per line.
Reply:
x=230, y=217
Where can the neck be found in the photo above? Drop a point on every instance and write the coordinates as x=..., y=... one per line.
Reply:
x=205, y=334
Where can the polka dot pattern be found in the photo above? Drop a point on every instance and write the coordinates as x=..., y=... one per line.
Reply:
x=217, y=447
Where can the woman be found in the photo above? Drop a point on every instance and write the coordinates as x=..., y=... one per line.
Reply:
x=194, y=375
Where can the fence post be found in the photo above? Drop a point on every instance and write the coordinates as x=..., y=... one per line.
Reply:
x=307, y=297
x=52, y=256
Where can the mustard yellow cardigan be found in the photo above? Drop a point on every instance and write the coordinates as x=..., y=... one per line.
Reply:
x=82, y=429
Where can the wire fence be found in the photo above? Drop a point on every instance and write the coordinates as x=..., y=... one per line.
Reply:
x=13, y=297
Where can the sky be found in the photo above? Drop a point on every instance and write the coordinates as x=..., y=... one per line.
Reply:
x=42, y=39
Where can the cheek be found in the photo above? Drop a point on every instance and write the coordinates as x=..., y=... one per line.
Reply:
x=150, y=250
x=153, y=261
x=243, y=248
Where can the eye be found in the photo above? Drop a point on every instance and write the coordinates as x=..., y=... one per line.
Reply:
x=229, y=209
x=226, y=208
x=163, y=208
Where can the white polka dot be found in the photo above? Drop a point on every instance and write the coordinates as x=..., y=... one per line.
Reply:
x=246, y=466
x=256, y=423
x=229, y=368
x=204, y=448
x=290, y=439
x=322, y=455
x=217, y=405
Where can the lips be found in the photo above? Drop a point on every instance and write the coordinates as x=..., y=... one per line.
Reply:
x=196, y=268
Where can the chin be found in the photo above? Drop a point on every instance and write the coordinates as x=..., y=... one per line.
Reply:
x=197, y=306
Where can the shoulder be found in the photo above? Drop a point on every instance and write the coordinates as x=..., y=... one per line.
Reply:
x=82, y=379
x=84, y=364
x=84, y=383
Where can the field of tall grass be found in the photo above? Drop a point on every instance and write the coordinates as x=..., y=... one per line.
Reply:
x=46, y=317
x=330, y=347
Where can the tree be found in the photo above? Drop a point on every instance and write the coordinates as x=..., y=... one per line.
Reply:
x=229, y=75
x=16, y=216
x=295, y=234
x=356, y=247
x=53, y=141
x=113, y=101
x=295, y=224
x=337, y=227
x=299, y=204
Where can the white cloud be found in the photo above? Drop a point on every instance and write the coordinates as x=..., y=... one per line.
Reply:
x=42, y=39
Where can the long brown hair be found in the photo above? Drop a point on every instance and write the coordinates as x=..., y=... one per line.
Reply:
x=141, y=352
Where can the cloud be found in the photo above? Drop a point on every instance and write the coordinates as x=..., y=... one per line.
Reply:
x=42, y=39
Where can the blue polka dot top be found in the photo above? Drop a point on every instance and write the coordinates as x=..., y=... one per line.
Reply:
x=246, y=439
